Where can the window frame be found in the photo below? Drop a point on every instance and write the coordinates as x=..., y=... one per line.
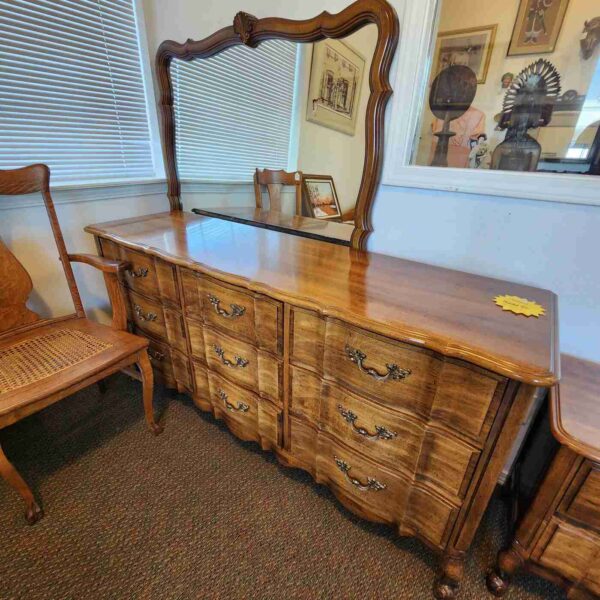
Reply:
x=419, y=19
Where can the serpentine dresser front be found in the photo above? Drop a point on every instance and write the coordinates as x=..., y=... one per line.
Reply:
x=399, y=385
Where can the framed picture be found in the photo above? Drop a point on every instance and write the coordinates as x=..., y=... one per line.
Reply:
x=470, y=47
x=320, y=197
x=537, y=26
x=336, y=76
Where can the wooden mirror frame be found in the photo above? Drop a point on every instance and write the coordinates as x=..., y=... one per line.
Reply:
x=250, y=31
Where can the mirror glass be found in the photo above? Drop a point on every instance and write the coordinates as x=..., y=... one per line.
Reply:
x=296, y=112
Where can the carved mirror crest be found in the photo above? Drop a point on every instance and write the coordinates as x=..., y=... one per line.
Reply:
x=321, y=140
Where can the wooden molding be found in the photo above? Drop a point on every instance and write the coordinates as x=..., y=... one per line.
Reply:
x=251, y=31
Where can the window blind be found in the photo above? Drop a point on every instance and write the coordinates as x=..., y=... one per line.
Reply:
x=72, y=91
x=233, y=111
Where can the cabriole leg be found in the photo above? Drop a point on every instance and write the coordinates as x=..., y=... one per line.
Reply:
x=499, y=579
x=448, y=583
x=11, y=476
x=148, y=391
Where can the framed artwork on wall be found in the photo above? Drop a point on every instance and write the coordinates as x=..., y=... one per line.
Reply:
x=468, y=47
x=320, y=197
x=336, y=76
x=537, y=26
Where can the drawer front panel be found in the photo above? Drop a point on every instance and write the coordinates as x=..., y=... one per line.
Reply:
x=569, y=550
x=243, y=364
x=251, y=317
x=249, y=417
x=392, y=373
x=141, y=277
x=585, y=504
x=378, y=492
x=148, y=316
x=431, y=517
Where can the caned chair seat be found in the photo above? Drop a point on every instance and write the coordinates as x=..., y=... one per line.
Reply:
x=54, y=359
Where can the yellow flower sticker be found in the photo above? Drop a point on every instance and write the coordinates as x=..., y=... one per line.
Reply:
x=520, y=306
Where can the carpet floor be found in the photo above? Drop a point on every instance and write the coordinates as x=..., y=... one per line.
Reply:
x=195, y=513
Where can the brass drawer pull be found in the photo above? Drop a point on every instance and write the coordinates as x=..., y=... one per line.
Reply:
x=381, y=433
x=371, y=485
x=241, y=407
x=394, y=372
x=141, y=316
x=141, y=272
x=236, y=309
x=239, y=361
x=155, y=355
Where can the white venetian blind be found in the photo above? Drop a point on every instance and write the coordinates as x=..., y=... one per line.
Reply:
x=71, y=90
x=233, y=111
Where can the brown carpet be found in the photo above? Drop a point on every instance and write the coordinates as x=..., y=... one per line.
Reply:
x=196, y=513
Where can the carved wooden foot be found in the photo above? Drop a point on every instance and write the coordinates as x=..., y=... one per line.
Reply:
x=499, y=579
x=11, y=476
x=448, y=583
x=34, y=513
x=148, y=392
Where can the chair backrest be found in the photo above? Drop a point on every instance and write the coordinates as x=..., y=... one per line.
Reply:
x=15, y=282
x=274, y=182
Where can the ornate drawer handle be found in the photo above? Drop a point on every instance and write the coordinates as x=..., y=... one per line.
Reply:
x=143, y=317
x=371, y=485
x=394, y=373
x=155, y=355
x=381, y=433
x=236, y=309
x=241, y=407
x=239, y=361
x=141, y=272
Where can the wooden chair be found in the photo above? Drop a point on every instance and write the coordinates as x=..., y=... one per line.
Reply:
x=44, y=360
x=274, y=182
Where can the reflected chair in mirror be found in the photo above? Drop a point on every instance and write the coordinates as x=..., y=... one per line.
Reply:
x=274, y=181
x=43, y=361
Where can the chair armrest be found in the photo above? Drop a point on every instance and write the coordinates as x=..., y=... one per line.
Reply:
x=106, y=265
x=112, y=271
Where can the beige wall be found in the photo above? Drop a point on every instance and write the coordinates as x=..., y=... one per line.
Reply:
x=575, y=72
x=325, y=151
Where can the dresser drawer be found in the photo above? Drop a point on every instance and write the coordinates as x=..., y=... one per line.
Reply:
x=147, y=315
x=387, y=436
x=151, y=318
x=251, y=317
x=582, y=500
x=377, y=491
x=568, y=550
x=243, y=364
x=141, y=276
x=249, y=417
x=392, y=373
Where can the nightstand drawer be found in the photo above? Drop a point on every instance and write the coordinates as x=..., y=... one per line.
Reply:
x=582, y=500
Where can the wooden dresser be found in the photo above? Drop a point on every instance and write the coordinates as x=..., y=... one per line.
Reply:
x=559, y=535
x=399, y=385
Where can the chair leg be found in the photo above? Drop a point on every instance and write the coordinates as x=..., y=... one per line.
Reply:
x=10, y=474
x=148, y=391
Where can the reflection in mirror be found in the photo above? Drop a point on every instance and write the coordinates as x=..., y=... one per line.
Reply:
x=276, y=134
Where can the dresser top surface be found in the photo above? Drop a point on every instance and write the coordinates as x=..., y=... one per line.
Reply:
x=447, y=311
x=575, y=407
